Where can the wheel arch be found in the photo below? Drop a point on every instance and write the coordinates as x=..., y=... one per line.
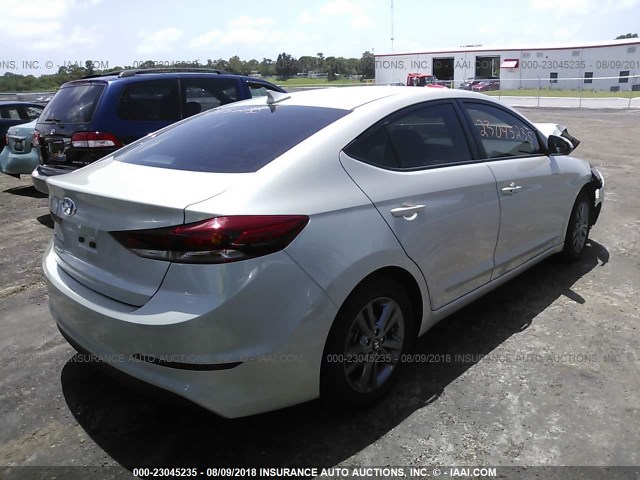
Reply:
x=408, y=283
x=591, y=187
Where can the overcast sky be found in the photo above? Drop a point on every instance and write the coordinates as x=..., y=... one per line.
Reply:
x=122, y=32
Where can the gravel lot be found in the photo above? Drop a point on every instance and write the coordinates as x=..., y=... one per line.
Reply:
x=544, y=371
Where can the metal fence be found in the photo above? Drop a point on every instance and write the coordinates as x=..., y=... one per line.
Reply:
x=25, y=96
x=575, y=92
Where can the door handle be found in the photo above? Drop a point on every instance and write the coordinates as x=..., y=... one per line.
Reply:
x=511, y=189
x=407, y=211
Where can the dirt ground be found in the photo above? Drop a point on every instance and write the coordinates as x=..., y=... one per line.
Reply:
x=543, y=371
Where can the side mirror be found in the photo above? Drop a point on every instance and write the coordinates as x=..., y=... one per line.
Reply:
x=559, y=145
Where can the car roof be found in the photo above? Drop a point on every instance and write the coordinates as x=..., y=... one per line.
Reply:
x=349, y=98
x=151, y=75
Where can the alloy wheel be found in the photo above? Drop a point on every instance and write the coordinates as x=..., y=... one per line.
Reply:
x=581, y=226
x=374, y=345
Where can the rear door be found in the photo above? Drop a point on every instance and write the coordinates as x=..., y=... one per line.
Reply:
x=418, y=169
x=532, y=188
x=145, y=106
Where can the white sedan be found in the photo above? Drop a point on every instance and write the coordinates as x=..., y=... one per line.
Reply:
x=293, y=246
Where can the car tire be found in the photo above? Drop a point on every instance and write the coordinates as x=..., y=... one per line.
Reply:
x=366, y=345
x=578, y=228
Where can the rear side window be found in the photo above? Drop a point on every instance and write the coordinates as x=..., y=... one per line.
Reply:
x=74, y=104
x=10, y=113
x=374, y=147
x=234, y=139
x=501, y=133
x=420, y=137
x=153, y=100
x=33, y=112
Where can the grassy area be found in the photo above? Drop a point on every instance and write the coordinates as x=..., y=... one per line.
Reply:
x=530, y=92
x=545, y=92
x=311, y=82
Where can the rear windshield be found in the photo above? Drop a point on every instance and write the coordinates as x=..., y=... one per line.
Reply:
x=73, y=104
x=233, y=139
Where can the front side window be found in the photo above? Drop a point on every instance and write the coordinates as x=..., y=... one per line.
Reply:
x=422, y=137
x=148, y=101
x=501, y=133
x=201, y=94
x=257, y=89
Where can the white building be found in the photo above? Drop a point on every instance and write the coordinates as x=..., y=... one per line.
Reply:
x=608, y=65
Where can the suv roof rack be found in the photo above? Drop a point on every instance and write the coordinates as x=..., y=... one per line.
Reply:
x=135, y=71
x=106, y=74
x=132, y=72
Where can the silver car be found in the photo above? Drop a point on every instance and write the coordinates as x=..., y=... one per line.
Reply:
x=293, y=246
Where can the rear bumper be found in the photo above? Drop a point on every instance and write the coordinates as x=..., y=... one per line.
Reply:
x=254, y=346
x=18, y=164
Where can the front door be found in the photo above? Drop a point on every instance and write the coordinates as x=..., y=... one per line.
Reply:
x=417, y=169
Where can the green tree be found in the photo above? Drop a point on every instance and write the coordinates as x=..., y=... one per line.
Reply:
x=221, y=64
x=367, y=65
x=251, y=66
x=236, y=65
x=286, y=65
x=628, y=35
x=88, y=66
x=333, y=68
x=321, y=65
x=267, y=68
x=307, y=63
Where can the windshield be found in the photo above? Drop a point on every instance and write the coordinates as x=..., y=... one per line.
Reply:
x=233, y=139
x=73, y=104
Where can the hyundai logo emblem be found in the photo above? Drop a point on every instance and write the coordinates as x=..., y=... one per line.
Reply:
x=68, y=206
x=53, y=131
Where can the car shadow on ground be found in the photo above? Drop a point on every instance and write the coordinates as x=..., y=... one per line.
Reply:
x=139, y=430
x=26, y=191
x=45, y=220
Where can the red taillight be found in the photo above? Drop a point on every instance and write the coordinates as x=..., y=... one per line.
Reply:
x=217, y=240
x=94, y=140
x=36, y=138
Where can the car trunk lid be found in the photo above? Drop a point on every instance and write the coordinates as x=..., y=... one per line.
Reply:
x=110, y=196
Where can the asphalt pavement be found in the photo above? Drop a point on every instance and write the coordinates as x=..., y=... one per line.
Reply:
x=543, y=371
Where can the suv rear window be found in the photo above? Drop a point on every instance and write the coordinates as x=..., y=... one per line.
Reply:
x=233, y=139
x=74, y=104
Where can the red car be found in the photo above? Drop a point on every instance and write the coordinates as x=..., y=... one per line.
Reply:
x=486, y=85
x=423, y=80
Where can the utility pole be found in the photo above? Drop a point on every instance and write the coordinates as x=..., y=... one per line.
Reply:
x=392, y=26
